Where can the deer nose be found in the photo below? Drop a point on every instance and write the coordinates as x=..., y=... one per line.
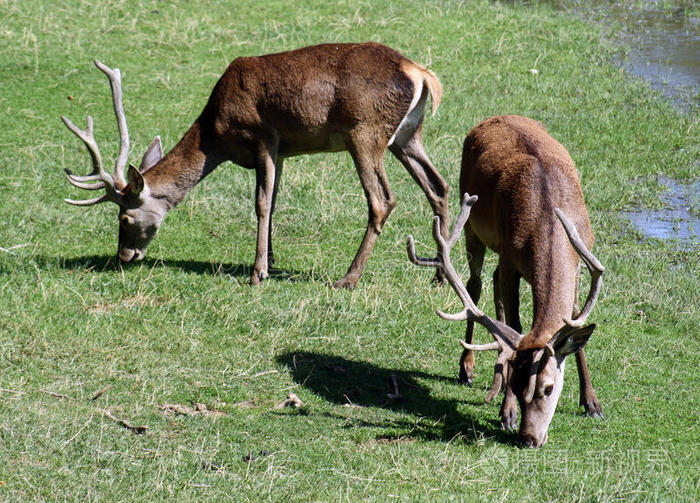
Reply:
x=528, y=441
x=129, y=255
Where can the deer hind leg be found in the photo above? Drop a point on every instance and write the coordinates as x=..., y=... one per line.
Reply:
x=264, y=190
x=369, y=162
x=587, y=396
x=410, y=152
x=506, y=294
x=278, y=176
x=475, y=251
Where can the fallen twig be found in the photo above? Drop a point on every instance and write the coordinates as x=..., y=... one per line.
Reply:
x=54, y=394
x=100, y=393
x=126, y=424
x=5, y=390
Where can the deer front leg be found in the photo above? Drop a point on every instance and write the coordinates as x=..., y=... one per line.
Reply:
x=475, y=252
x=380, y=200
x=588, y=398
x=509, y=408
x=506, y=286
x=264, y=190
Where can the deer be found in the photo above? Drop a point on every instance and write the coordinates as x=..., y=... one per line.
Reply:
x=363, y=98
x=531, y=212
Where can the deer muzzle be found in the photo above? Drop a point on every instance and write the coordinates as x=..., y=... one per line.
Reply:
x=126, y=255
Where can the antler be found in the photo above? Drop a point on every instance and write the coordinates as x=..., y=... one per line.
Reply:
x=594, y=267
x=112, y=184
x=507, y=339
x=115, y=82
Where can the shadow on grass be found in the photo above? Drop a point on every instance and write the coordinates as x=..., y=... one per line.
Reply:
x=341, y=381
x=102, y=263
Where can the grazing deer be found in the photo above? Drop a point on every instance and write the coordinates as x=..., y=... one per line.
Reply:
x=531, y=212
x=363, y=98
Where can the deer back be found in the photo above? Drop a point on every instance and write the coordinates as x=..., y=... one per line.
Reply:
x=521, y=174
x=310, y=98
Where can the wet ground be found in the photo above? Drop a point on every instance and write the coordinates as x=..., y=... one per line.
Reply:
x=678, y=220
x=663, y=37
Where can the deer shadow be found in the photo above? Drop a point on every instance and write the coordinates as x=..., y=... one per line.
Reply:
x=341, y=381
x=103, y=263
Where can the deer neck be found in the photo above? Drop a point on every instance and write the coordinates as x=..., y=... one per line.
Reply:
x=553, y=292
x=192, y=159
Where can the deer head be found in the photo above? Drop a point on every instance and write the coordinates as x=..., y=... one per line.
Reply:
x=535, y=375
x=140, y=214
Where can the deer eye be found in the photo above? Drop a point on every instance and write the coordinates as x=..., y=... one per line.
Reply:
x=548, y=389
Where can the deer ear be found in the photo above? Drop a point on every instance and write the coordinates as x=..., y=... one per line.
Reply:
x=154, y=153
x=136, y=181
x=571, y=339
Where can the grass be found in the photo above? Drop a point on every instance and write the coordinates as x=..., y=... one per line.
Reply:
x=184, y=326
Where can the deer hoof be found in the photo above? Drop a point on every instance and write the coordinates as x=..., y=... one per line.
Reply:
x=509, y=420
x=439, y=278
x=593, y=409
x=345, y=282
x=257, y=277
x=466, y=377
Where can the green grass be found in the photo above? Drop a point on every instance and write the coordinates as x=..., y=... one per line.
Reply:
x=184, y=326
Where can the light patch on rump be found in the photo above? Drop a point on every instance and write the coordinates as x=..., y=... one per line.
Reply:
x=416, y=110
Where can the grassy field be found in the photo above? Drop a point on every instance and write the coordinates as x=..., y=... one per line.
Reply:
x=184, y=327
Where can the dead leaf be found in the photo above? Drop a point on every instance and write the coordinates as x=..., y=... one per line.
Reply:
x=291, y=401
x=198, y=409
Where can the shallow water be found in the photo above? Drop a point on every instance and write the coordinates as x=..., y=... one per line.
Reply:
x=664, y=41
x=664, y=48
x=678, y=220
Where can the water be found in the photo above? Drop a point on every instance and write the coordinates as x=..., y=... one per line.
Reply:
x=663, y=37
x=678, y=219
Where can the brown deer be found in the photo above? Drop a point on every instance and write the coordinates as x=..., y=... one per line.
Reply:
x=363, y=98
x=531, y=212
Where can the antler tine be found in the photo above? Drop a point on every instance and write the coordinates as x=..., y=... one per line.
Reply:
x=115, y=82
x=467, y=203
x=421, y=261
x=444, y=248
x=500, y=331
x=75, y=181
x=592, y=263
x=480, y=347
x=88, y=138
x=88, y=202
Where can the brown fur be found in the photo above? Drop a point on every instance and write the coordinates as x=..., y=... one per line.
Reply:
x=520, y=174
x=323, y=98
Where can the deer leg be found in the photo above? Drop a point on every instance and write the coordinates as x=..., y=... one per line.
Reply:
x=413, y=157
x=278, y=176
x=506, y=294
x=587, y=396
x=264, y=189
x=410, y=152
x=475, y=252
x=369, y=162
